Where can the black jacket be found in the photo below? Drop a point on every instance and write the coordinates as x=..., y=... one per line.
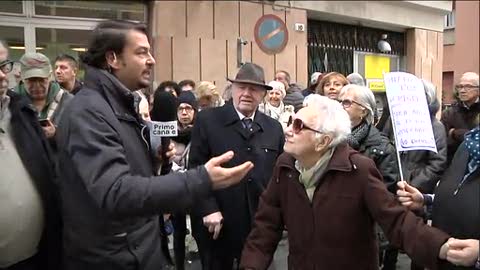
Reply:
x=458, y=213
x=111, y=200
x=461, y=119
x=33, y=149
x=216, y=131
x=379, y=148
x=76, y=87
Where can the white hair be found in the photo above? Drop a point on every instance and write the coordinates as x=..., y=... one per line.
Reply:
x=364, y=96
x=470, y=76
x=430, y=91
x=332, y=118
x=356, y=78
x=279, y=87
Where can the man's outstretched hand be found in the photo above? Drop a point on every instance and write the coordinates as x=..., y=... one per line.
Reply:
x=225, y=177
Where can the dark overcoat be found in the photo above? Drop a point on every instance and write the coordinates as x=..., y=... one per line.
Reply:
x=219, y=130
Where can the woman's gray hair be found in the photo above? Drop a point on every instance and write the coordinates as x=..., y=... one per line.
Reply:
x=431, y=94
x=364, y=96
x=331, y=118
x=355, y=78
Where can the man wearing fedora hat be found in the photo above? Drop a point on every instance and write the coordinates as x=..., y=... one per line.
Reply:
x=222, y=222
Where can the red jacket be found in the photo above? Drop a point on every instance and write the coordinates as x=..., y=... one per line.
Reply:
x=336, y=230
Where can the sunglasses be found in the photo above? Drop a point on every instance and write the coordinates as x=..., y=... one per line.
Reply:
x=298, y=125
x=347, y=103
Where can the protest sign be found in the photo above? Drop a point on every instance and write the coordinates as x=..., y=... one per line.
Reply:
x=409, y=112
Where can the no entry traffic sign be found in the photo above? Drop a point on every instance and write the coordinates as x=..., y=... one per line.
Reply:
x=271, y=34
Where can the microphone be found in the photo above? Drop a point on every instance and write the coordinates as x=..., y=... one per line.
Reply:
x=164, y=117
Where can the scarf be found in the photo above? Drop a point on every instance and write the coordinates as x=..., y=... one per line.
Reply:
x=184, y=136
x=274, y=112
x=472, y=143
x=4, y=102
x=53, y=90
x=309, y=177
x=359, y=133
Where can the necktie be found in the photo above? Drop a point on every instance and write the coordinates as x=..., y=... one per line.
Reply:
x=247, y=122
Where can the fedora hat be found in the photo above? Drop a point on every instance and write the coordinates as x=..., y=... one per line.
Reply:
x=252, y=74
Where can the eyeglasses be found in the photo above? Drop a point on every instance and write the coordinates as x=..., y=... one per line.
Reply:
x=467, y=87
x=298, y=125
x=187, y=109
x=347, y=103
x=6, y=66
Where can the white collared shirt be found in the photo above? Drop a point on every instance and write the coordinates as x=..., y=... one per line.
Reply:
x=241, y=116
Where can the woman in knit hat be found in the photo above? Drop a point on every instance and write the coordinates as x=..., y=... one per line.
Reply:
x=187, y=108
x=274, y=106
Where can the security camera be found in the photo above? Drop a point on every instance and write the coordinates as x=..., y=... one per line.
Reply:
x=383, y=44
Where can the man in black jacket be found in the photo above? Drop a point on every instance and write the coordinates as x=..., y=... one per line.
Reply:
x=111, y=200
x=30, y=227
x=221, y=223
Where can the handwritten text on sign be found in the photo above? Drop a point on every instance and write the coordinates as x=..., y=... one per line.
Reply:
x=409, y=111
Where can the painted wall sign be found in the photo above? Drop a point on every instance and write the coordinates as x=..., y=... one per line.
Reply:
x=271, y=34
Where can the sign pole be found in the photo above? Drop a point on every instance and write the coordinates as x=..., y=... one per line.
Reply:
x=396, y=146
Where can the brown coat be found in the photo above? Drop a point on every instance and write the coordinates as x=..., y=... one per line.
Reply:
x=336, y=230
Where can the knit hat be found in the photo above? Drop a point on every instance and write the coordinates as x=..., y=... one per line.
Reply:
x=35, y=65
x=278, y=86
x=314, y=78
x=189, y=98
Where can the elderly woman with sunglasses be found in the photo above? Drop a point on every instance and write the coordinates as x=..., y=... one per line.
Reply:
x=274, y=106
x=329, y=197
x=359, y=102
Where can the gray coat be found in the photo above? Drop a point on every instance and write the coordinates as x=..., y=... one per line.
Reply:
x=294, y=97
x=111, y=200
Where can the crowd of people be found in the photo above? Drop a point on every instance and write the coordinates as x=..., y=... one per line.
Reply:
x=252, y=164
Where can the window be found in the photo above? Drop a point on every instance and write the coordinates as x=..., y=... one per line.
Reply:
x=53, y=42
x=450, y=20
x=120, y=10
x=14, y=37
x=12, y=7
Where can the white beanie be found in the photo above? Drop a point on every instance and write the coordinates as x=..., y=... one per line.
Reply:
x=314, y=78
x=278, y=86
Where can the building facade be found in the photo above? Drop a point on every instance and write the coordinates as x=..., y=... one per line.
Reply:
x=198, y=39
x=209, y=40
x=461, y=45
